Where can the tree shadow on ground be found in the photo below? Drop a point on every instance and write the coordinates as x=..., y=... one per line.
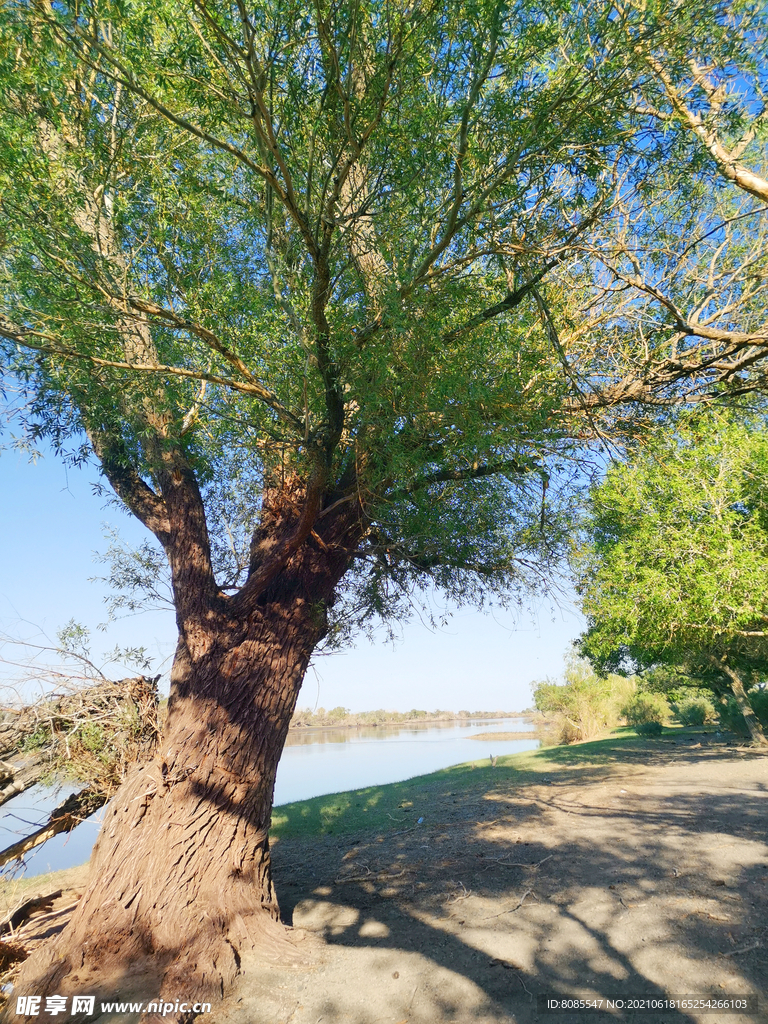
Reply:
x=596, y=881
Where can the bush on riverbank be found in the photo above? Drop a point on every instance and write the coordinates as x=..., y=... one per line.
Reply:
x=696, y=710
x=647, y=713
x=584, y=705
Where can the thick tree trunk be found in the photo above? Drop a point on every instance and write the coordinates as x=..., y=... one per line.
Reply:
x=180, y=882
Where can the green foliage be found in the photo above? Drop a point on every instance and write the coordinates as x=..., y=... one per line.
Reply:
x=75, y=639
x=92, y=738
x=695, y=711
x=649, y=729
x=584, y=704
x=388, y=247
x=759, y=701
x=674, y=683
x=647, y=713
x=137, y=578
x=37, y=740
x=152, y=192
x=673, y=566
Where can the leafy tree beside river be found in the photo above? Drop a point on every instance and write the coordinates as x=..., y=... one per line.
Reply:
x=585, y=704
x=675, y=568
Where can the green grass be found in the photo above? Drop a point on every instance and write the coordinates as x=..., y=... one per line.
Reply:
x=400, y=804
x=395, y=806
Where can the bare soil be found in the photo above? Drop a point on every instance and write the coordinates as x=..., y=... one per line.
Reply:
x=641, y=877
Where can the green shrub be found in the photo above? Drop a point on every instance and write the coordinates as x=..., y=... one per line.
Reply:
x=584, y=704
x=647, y=713
x=649, y=729
x=696, y=711
x=93, y=738
x=36, y=740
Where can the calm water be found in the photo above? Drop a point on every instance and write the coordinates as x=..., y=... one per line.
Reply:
x=314, y=762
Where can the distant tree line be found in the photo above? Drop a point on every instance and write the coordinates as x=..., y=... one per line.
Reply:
x=343, y=717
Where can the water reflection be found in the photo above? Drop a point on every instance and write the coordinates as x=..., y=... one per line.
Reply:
x=353, y=733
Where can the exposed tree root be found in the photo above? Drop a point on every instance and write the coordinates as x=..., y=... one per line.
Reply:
x=204, y=970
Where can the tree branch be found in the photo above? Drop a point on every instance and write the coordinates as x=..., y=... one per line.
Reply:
x=143, y=502
x=726, y=160
x=474, y=472
x=510, y=300
x=214, y=342
x=120, y=74
x=23, y=336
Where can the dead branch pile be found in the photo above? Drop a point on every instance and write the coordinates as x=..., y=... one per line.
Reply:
x=90, y=735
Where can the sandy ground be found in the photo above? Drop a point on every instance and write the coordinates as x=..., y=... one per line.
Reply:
x=643, y=878
x=639, y=878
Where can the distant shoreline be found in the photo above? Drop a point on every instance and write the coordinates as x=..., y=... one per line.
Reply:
x=360, y=720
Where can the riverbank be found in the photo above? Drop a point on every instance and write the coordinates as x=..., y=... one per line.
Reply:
x=625, y=867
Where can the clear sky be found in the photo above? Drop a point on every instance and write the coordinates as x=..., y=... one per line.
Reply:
x=51, y=525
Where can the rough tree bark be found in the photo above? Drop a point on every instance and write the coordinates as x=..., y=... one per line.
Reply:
x=180, y=883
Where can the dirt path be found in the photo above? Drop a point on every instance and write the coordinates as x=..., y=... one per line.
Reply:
x=642, y=878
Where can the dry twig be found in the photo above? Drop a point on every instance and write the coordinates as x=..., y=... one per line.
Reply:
x=528, y=892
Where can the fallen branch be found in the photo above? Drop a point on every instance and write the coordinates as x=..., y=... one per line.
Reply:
x=498, y=962
x=745, y=949
x=20, y=779
x=36, y=922
x=62, y=727
x=64, y=818
x=92, y=734
x=519, y=863
x=380, y=876
x=26, y=909
x=465, y=896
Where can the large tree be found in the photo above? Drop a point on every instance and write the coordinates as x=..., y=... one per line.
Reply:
x=332, y=294
x=676, y=560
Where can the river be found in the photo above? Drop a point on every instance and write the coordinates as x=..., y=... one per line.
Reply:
x=314, y=762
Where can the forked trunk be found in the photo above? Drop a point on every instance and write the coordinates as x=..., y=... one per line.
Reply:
x=180, y=881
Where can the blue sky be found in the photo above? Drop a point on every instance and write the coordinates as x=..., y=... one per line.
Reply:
x=52, y=523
